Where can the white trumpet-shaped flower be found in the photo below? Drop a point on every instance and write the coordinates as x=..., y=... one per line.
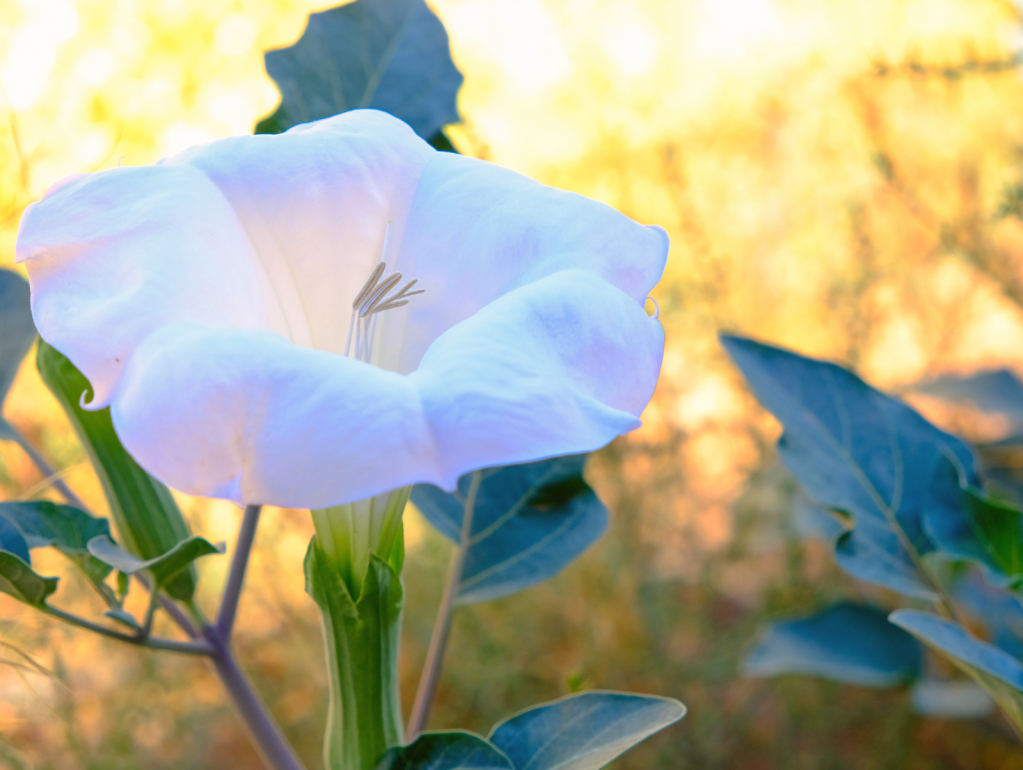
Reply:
x=318, y=317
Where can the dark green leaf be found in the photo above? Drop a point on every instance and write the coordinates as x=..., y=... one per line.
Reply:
x=455, y=750
x=529, y=522
x=854, y=450
x=17, y=331
x=850, y=643
x=162, y=568
x=874, y=553
x=148, y=519
x=582, y=732
x=996, y=671
x=13, y=541
x=390, y=55
x=66, y=528
x=17, y=579
x=968, y=524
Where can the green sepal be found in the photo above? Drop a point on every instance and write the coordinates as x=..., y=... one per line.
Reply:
x=19, y=580
x=148, y=519
x=362, y=639
x=163, y=568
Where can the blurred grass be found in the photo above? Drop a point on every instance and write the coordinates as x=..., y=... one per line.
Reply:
x=834, y=177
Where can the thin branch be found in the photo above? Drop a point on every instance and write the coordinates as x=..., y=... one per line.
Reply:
x=47, y=470
x=236, y=577
x=155, y=643
x=265, y=733
x=442, y=626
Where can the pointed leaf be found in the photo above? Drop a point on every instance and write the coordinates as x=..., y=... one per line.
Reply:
x=390, y=55
x=999, y=609
x=66, y=528
x=148, y=519
x=529, y=522
x=582, y=732
x=455, y=750
x=996, y=671
x=850, y=643
x=17, y=331
x=996, y=390
x=17, y=579
x=852, y=448
x=163, y=568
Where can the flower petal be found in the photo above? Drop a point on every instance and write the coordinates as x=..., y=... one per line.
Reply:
x=316, y=202
x=477, y=231
x=254, y=418
x=562, y=365
x=114, y=255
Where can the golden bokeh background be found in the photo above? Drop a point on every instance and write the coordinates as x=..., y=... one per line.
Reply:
x=838, y=176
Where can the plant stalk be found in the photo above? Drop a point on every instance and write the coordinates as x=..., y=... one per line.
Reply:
x=442, y=626
x=236, y=577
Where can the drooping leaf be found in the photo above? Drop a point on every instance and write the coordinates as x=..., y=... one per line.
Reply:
x=995, y=670
x=968, y=524
x=66, y=528
x=19, y=580
x=584, y=731
x=162, y=568
x=148, y=519
x=849, y=643
x=390, y=55
x=952, y=699
x=996, y=390
x=454, y=750
x=17, y=331
x=852, y=448
x=529, y=522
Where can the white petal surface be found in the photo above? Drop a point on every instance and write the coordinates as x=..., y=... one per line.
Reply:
x=562, y=365
x=477, y=231
x=114, y=255
x=559, y=366
x=254, y=418
x=315, y=202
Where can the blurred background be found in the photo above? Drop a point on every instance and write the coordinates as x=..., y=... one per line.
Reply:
x=843, y=177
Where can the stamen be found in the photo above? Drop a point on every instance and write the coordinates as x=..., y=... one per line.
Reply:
x=376, y=295
x=370, y=283
x=371, y=302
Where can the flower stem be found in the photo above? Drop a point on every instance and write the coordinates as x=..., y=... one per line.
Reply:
x=236, y=577
x=442, y=626
x=265, y=733
x=46, y=469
